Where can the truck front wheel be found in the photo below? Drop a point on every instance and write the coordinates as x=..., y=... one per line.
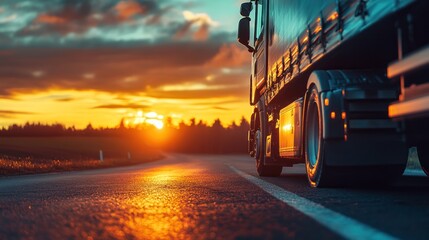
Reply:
x=314, y=142
x=259, y=143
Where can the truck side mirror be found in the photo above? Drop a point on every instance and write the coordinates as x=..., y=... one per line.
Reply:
x=244, y=33
x=246, y=9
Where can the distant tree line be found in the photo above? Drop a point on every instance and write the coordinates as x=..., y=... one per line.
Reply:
x=200, y=138
x=56, y=130
x=193, y=137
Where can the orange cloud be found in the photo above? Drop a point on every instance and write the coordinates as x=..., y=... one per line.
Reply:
x=230, y=55
x=80, y=16
x=146, y=68
x=50, y=19
x=200, y=20
x=128, y=9
x=202, y=34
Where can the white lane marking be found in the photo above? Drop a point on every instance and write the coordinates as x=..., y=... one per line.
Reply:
x=336, y=222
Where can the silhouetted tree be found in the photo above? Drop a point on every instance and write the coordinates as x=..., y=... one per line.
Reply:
x=192, y=138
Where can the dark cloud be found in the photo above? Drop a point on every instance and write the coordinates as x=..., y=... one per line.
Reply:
x=156, y=18
x=145, y=68
x=238, y=92
x=5, y=38
x=65, y=99
x=231, y=55
x=12, y=114
x=45, y=56
x=122, y=106
x=95, y=23
x=183, y=30
x=221, y=108
x=202, y=23
x=218, y=102
x=78, y=16
x=73, y=17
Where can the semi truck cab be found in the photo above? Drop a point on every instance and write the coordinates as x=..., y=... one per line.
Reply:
x=339, y=85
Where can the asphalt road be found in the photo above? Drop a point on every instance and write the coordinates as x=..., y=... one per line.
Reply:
x=206, y=197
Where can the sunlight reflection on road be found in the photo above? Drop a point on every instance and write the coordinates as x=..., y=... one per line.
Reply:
x=159, y=209
x=187, y=197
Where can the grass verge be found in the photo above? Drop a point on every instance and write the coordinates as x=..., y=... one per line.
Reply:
x=42, y=155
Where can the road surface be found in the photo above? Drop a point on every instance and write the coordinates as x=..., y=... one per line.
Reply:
x=206, y=197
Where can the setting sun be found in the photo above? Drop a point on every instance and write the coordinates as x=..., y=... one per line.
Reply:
x=140, y=118
x=133, y=63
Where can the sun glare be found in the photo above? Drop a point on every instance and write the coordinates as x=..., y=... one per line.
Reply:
x=141, y=118
x=156, y=122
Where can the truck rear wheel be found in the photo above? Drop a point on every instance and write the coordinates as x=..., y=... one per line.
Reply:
x=363, y=146
x=263, y=169
x=314, y=142
x=423, y=152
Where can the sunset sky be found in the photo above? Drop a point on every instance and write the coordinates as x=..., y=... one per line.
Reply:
x=78, y=62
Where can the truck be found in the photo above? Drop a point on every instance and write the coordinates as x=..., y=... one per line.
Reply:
x=340, y=85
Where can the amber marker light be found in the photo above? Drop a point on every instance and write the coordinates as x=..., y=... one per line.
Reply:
x=343, y=115
x=318, y=29
x=333, y=115
x=345, y=132
x=305, y=40
x=326, y=101
x=333, y=16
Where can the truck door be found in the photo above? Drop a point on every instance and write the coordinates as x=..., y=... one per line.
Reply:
x=259, y=56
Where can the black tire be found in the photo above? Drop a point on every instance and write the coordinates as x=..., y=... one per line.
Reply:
x=317, y=171
x=423, y=153
x=321, y=175
x=262, y=169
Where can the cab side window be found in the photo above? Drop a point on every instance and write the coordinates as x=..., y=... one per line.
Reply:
x=260, y=21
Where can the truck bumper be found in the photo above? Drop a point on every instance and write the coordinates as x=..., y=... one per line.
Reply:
x=367, y=149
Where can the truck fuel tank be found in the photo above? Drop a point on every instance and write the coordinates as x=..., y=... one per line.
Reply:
x=290, y=130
